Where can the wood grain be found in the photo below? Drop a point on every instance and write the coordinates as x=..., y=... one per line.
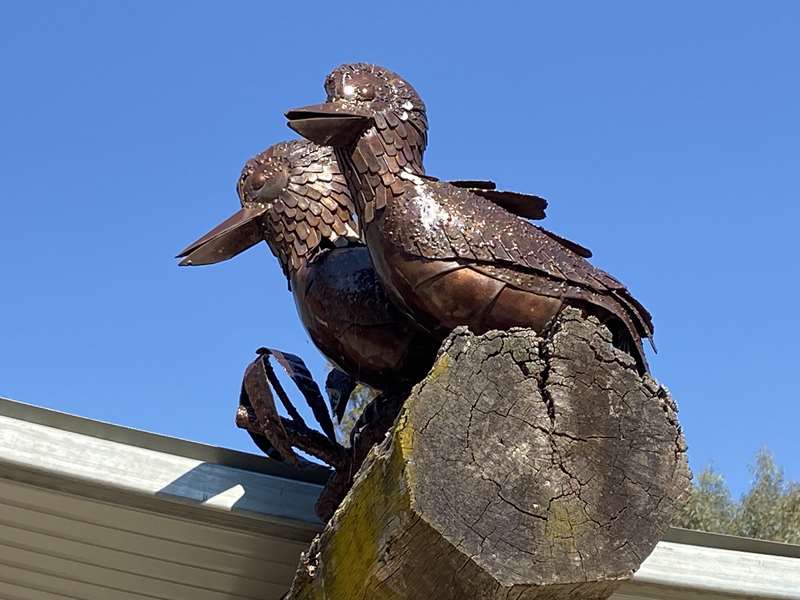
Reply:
x=522, y=467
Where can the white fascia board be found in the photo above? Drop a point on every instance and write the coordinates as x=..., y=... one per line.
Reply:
x=684, y=571
x=57, y=455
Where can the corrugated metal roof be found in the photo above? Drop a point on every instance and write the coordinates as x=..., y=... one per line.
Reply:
x=94, y=511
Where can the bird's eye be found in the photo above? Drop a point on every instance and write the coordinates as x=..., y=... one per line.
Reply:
x=358, y=88
x=366, y=92
x=257, y=180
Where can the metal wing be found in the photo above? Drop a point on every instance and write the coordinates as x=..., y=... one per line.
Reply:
x=523, y=205
x=464, y=226
x=569, y=244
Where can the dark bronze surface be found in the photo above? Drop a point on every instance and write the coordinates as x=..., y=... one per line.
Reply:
x=339, y=386
x=348, y=315
x=294, y=196
x=278, y=436
x=447, y=255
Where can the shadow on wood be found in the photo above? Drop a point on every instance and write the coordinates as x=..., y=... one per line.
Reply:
x=521, y=467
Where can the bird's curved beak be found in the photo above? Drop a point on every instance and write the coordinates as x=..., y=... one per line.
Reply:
x=234, y=235
x=327, y=124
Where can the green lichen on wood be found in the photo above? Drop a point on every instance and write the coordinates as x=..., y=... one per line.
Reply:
x=350, y=559
x=378, y=504
x=440, y=367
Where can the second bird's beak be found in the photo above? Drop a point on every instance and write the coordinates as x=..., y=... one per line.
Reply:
x=328, y=125
x=234, y=235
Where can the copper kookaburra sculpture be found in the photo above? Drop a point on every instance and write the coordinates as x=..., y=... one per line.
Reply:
x=446, y=255
x=294, y=196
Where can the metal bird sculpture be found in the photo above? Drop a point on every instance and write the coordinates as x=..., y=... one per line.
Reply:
x=294, y=197
x=449, y=256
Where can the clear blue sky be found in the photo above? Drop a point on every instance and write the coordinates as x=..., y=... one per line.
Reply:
x=665, y=137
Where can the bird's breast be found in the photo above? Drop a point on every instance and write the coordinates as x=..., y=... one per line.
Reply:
x=349, y=317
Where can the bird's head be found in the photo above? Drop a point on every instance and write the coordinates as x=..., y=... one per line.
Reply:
x=293, y=196
x=359, y=97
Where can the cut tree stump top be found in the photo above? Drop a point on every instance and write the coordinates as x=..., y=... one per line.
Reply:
x=521, y=467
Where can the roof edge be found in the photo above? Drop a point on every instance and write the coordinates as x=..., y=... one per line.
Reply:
x=721, y=541
x=39, y=415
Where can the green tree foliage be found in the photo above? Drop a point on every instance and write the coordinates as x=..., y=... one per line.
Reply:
x=709, y=507
x=769, y=510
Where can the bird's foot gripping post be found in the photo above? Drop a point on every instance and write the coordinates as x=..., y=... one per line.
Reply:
x=278, y=436
x=521, y=467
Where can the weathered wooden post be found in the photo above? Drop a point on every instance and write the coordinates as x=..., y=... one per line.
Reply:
x=522, y=467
